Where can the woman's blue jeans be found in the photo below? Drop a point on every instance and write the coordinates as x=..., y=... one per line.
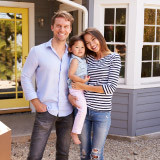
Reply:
x=92, y=145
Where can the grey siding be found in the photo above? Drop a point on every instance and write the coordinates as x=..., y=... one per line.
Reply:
x=136, y=112
x=148, y=111
x=119, y=123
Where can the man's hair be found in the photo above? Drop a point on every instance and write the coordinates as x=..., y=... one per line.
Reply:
x=63, y=14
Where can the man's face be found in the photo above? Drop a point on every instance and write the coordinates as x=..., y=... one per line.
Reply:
x=61, y=29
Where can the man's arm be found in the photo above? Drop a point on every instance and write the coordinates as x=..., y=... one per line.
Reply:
x=28, y=71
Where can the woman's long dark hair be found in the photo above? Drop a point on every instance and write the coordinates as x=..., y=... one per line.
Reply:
x=97, y=34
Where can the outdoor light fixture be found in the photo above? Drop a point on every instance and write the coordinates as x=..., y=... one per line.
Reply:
x=41, y=22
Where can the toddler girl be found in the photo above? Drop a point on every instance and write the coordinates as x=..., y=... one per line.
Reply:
x=78, y=73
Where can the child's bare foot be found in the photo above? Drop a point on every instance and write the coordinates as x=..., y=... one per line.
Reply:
x=75, y=138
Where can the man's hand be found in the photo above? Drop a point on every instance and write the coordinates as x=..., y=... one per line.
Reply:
x=72, y=100
x=39, y=106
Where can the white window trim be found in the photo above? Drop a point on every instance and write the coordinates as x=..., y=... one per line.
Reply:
x=100, y=20
x=135, y=43
x=31, y=17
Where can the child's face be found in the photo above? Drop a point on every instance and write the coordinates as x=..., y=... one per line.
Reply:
x=78, y=49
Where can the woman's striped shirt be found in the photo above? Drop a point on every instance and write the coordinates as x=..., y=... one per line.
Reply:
x=103, y=72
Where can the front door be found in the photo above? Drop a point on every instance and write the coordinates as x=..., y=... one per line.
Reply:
x=13, y=52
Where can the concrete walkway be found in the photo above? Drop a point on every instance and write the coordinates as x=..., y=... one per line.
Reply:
x=21, y=124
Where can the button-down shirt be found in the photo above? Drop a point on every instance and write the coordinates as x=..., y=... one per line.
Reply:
x=51, y=74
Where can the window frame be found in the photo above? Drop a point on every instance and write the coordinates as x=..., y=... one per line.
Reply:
x=150, y=80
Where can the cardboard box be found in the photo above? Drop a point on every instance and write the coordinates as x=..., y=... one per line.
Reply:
x=5, y=142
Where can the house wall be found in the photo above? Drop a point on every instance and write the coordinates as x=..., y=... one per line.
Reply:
x=136, y=112
x=44, y=9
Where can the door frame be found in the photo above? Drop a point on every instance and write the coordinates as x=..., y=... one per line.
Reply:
x=31, y=35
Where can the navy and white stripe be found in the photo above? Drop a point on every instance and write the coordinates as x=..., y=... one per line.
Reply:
x=103, y=72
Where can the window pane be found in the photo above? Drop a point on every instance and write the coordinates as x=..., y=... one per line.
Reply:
x=20, y=95
x=122, y=72
x=18, y=16
x=146, y=69
x=158, y=34
x=7, y=56
x=149, y=33
x=158, y=16
x=8, y=96
x=19, y=54
x=111, y=47
x=7, y=15
x=109, y=33
x=121, y=16
x=149, y=16
x=156, y=69
x=109, y=16
x=147, y=53
x=120, y=34
x=156, y=55
x=121, y=49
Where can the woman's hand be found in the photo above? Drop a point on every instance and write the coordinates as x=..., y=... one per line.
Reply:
x=78, y=85
x=72, y=100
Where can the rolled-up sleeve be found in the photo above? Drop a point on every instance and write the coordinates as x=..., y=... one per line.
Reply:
x=28, y=71
x=115, y=67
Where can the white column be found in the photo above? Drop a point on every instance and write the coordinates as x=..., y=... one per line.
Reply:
x=135, y=43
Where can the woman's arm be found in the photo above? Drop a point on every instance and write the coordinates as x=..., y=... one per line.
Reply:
x=110, y=85
x=72, y=70
x=82, y=86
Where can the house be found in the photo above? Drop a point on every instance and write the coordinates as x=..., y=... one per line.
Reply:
x=130, y=27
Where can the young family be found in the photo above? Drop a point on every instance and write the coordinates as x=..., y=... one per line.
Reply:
x=83, y=74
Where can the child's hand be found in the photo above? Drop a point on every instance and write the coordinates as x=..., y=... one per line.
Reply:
x=86, y=79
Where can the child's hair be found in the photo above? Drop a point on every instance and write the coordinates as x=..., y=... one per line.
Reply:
x=63, y=14
x=73, y=40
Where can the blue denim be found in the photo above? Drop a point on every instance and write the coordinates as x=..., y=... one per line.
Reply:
x=92, y=145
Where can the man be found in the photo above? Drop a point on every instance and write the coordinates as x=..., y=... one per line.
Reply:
x=50, y=62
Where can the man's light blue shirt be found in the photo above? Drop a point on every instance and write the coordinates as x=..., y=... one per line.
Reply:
x=51, y=74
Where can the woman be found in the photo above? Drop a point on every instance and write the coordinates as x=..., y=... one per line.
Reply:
x=103, y=69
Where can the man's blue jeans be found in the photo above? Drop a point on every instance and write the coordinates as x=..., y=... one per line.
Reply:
x=41, y=131
x=92, y=146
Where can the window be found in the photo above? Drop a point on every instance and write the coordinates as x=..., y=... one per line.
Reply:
x=115, y=32
x=151, y=44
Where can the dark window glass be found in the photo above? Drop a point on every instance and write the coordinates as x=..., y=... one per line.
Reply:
x=120, y=34
x=149, y=16
x=121, y=49
x=156, y=55
x=121, y=16
x=109, y=16
x=149, y=33
x=109, y=33
x=147, y=53
x=156, y=69
x=146, y=69
x=122, y=72
x=111, y=47
x=8, y=96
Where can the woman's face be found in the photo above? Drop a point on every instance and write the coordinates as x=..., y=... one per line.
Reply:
x=92, y=43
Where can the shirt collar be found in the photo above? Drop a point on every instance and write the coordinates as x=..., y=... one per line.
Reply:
x=49, y=44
